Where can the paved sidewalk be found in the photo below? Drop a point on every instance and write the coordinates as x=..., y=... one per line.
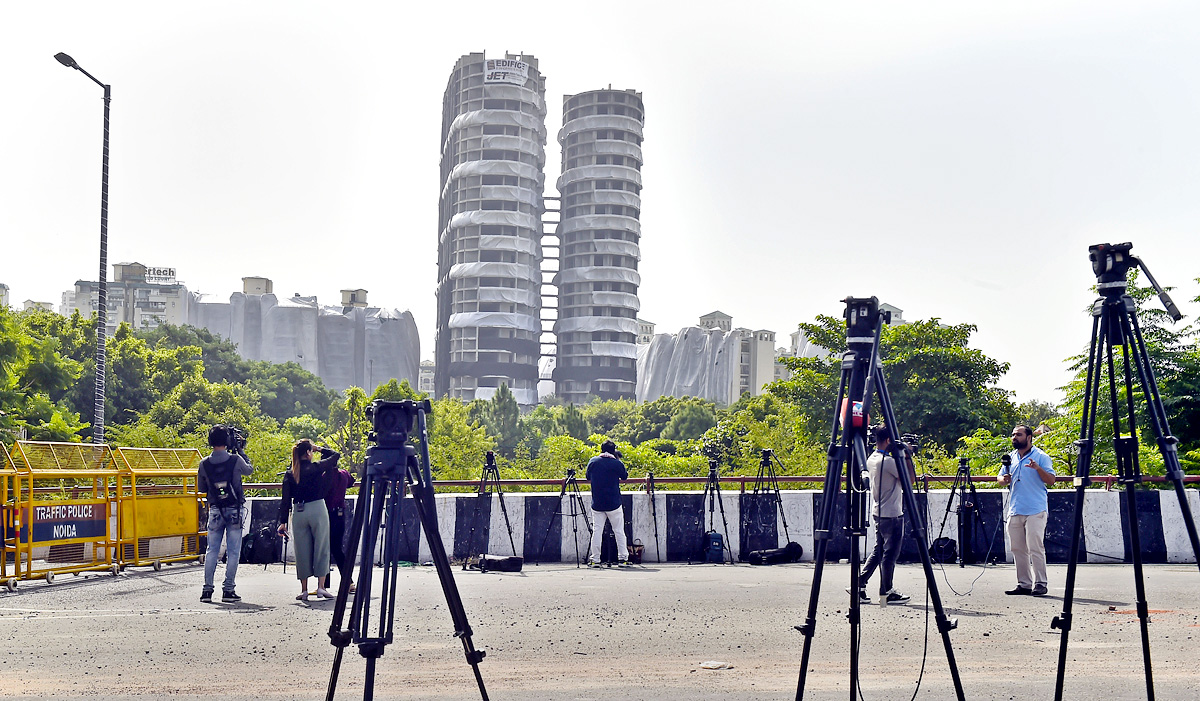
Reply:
x=557, y=632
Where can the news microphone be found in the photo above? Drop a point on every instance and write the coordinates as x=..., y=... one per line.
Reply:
x=1006, y=460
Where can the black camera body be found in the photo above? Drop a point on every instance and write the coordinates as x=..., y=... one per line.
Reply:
x=1111, y=260
x=392, y=421
x=237, y=439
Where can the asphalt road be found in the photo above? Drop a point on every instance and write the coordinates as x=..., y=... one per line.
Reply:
x=557, y=632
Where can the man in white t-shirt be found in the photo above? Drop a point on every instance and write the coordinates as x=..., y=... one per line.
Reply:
x=887, y=511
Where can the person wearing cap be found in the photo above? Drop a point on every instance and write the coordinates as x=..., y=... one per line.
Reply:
x=604, y=473
x=887, y=512
x=219, y=478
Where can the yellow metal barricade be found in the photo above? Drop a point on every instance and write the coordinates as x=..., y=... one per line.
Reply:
x=158, y=506
x=59, y=511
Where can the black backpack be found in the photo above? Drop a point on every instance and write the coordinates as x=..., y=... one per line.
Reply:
x=220, y=482
x=943, y=550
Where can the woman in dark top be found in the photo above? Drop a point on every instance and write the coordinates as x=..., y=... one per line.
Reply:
x=304, y=490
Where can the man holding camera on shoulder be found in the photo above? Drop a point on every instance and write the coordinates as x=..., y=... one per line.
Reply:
x=1030, y=472
x=887, y=511
x=220, y=478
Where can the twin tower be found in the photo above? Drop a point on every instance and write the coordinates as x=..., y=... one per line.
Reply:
x=492, y=299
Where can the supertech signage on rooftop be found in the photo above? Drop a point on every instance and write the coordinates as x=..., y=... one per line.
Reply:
x=161, y=276
x=506, y=70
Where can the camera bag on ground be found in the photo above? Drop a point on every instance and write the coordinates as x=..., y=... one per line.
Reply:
x=714, y=547
x=220, y=482
x=788, y=553
x=500, y=563
x=943, y=550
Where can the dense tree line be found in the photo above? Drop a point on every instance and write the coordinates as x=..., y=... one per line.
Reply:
x=166, y=386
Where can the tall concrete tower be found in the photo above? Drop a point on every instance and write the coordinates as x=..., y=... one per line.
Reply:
x=490, y=228
x=599, y=235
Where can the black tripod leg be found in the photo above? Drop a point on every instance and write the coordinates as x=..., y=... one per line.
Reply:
x=338, y=637
x=944, y=624
x=550, y=527
x=1143, y=613
x=724, y=522
x=1162, y=431
x=475, y=521
x=507, y=523
x=462, y=629
x=821, y=536
x=1083, y=467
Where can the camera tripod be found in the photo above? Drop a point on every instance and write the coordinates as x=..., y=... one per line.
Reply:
x=487, y=481
x=650, y=494
x=1115, y=326
x=712, y=495
x=968, y=501
x=392, y=466
x=768, y=480
x=862, y=377
x=570, y=490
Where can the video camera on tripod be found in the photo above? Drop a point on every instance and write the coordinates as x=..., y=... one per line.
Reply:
x=392, y=466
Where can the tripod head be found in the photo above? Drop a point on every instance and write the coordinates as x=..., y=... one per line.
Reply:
x=1111, y=263
x=570, y=473
x=491, y=460
x=862, y=316
x=713, y=470
x=767, y=454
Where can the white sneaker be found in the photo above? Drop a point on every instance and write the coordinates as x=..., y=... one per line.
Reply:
x=892, y=597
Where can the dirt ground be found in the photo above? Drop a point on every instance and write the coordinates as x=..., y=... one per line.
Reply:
x=558, y=632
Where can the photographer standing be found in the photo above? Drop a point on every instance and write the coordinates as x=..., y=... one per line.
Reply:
x=220, y=478
x=305, y=487
x=604, y=473
x=887, y=511
x=1031, y=473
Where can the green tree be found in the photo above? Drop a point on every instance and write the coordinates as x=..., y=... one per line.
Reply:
x=457, y=445
x=394, y=391
x=286, y=390
x=940, y=387
x=604, y=414
x=502, y=417
x=197, y=404
x=34, y=382
x=222, y=363
x=570, y=422
x=349, y=425
x=691, y=421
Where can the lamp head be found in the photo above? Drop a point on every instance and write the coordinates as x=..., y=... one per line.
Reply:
x=66, y=60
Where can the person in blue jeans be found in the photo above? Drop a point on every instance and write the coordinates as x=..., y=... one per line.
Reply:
x=219, y=478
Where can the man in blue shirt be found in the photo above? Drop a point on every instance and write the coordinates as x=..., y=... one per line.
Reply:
x=1030, y=473
x=604, y=473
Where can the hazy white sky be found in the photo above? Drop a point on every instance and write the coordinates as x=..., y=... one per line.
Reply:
x=954, y=159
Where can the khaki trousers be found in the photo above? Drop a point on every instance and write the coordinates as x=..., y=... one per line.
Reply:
x=1026, y=537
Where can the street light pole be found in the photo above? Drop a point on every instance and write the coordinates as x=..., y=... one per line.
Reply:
x=102, y=307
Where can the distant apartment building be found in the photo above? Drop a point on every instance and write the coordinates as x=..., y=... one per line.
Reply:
x=600, y=234
x=645, y=332
x=33, y=304
x=713, y=361
x=140, y=295
x=717, y=320
x=425, y=381
x=490, y=228
x=756, y=361
x=4, y=295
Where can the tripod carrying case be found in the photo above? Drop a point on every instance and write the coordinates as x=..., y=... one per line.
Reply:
x=500, y=563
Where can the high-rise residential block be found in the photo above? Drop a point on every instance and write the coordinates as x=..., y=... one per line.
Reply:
x=490, y=228
x=599, y=235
